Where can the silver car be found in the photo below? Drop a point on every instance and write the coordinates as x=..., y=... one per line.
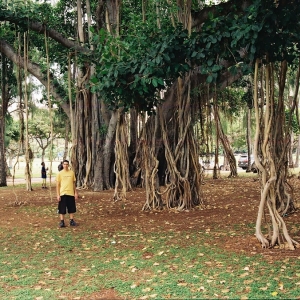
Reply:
x=243, y=161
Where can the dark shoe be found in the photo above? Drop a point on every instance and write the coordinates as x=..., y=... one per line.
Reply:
x=72, y=223
x=62, y=224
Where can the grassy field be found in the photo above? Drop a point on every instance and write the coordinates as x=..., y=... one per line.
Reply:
x=18, y=169
x=187, y=255
x=139, y=255
x=56, y=264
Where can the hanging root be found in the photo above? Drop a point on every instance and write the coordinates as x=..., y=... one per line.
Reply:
x=121, y=167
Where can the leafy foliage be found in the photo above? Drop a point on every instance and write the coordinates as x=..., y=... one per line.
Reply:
x=132, y=70
x=130, y=73
x=12, y=132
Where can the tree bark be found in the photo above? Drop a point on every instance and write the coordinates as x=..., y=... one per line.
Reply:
x=227, y=147
x=3, y=106
x=271, y=149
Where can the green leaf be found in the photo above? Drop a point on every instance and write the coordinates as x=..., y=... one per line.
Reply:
x=154, y=82
x=210, y=62
x=209, y=79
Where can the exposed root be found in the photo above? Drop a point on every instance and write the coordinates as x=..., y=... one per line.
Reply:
x=121, y=167
x=17, y=203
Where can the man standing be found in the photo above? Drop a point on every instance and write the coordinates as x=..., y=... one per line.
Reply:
x=66, y=194
x=44, y=175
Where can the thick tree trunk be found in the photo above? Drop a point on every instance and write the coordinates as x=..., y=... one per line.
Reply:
x=108, y=150
x=121, y=167
x=271, y=148
x=97, y=146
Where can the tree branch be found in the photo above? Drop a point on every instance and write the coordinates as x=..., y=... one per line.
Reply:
x=40, y=28
x=34, y=70
x=224, y=8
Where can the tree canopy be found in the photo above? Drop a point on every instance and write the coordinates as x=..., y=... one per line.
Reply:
x=145, y=58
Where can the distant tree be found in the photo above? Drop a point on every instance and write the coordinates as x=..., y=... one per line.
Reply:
x=40, y=131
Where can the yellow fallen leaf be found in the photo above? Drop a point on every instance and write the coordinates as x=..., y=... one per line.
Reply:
x=182, y=284
x=274, y=294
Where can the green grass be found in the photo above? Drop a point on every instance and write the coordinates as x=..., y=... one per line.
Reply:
x=48, y=264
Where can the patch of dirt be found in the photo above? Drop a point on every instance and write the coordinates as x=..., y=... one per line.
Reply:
x=232, y=205
x=105, y=294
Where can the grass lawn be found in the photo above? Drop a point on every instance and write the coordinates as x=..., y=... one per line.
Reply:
x=120, y=252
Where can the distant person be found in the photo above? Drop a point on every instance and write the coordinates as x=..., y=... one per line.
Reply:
x=60, y=167
x=44, y=175
x=66, y=194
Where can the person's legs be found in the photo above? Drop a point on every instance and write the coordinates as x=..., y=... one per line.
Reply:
x=71, y=205
x=44, y=183
x=62, y=211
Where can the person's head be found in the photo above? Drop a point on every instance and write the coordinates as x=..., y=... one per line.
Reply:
x=65, y=164
x=42, y=164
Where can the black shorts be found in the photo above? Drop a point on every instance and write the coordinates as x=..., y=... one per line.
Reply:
x=66, y=202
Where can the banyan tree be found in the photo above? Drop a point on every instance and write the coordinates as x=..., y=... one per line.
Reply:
x=136, y=76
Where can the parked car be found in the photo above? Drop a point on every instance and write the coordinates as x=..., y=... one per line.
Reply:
x=209, y=163
x=243, y=161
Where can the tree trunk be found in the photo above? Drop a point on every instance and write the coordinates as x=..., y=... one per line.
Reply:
x=2, y=151
x=121, y=168
x=271, y=148
x=3, y=106
x=297, y=153
x=249, y=139
x=227, y=147
x=67, y=133
x=183, y=175
x=216, y=170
